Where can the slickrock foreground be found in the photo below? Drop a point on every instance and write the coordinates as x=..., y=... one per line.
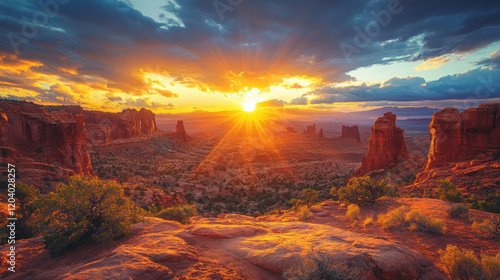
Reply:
x=229, y=247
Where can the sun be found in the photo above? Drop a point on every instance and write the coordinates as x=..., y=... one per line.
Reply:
x=249, y=106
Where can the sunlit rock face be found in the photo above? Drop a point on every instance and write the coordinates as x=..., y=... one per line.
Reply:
x=463, y=145
x=44, y=138
x=386, y=145
x=462, y=136
x=104, y=127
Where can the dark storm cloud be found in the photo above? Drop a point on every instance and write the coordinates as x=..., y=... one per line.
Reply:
x=256, y=45
x=475, y=84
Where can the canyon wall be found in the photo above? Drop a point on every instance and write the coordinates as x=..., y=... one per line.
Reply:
x=462, y=136
x=386, y=145
x=44, y=138
x=104, y=127
x=464, y=146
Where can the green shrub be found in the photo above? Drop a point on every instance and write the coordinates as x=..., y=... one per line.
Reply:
x=364, y=190
x=489, y=227
x=458, y=210
x=309, y=196
x=321, y=266
x=491, y=204
x=25, y=208
x=83, y=210
x=352, y=212
x=464, y=264
x=412, y=220
x=448, y=192
x=180, y=214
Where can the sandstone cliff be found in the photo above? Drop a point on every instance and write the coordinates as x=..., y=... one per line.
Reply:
x=104, y=127
x=351, y=132
x=463, y=146
x=462, y=136
x=386, y=145
x=44, y=140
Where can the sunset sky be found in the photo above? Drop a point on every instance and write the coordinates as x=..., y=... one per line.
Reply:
x=185, y=55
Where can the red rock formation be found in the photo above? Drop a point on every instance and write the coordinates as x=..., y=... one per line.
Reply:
x=320, y=133
x=103, y=127
x=462, y=136
x=4, y=129
x=37, y=134
x=310, y=130
x=180, y=132
x=463, y=146
x=351, y=132
x=386, y=146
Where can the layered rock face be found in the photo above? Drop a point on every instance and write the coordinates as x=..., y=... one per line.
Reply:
x=35, y=133
x=386, y=145
x=351, y=132
x=180, y=132
x=462, y=136
x=104, y=127
x=463, y=147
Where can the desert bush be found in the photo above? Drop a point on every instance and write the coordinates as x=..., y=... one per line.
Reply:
x=352, y=212
x=364, y=190
x=180, y=214
x=393, y=219
x=83, y=210
x=448, y=192
x=309, y=196
x=304, y=213
x=412, y=220
x=489, y=227
x=25, y=209
x=458, y=210
x=491, y=204
x=491, y=266
x=421, y=222
x=368, y=221
x=464, y=264
x=321, y=266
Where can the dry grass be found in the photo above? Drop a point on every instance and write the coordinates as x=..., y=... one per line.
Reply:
x=464, y=264
x=412, y=220
x=457, y=210
x=352, y=212
x=489, y=227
